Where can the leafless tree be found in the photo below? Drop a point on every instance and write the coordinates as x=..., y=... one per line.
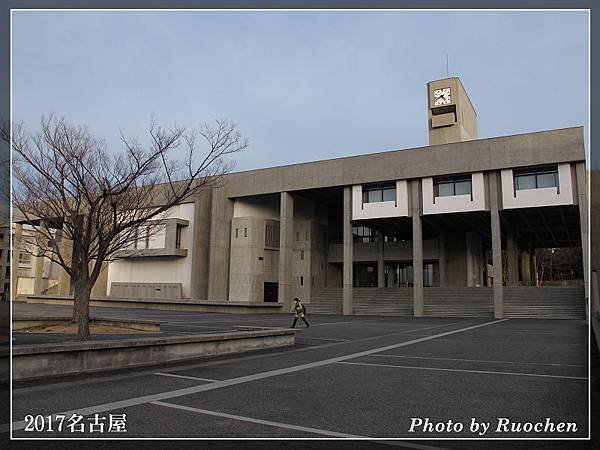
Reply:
x=64, y=178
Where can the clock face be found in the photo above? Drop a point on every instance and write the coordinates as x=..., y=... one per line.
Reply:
x=441, y=97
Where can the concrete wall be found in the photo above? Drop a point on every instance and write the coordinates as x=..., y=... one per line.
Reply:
x=545, y=147
x=160, y=269
x=456, y=203
x=397, y=208
x=456, y=265
x=538, y=197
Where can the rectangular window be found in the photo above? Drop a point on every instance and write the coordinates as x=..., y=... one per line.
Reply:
x=536, y=178
x=450, y=186
x=236, y=232
x=363, y=234
x=178, y=236
x=272, y=235
x=301, y=281
x=302, y=254
x=379, y=193
x=307, y=235
x=245, y=232
x=297, y=235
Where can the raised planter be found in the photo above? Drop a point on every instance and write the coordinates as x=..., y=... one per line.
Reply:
x=23, y=323
x=73, y=358
x=163, y=304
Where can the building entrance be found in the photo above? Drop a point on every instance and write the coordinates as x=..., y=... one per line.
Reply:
x=365, y=275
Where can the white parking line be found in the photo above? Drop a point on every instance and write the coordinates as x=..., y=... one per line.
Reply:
x=491, y=372
x=121, y=404
x=480, y=360
x=322, y=339
x=162, y=374
x=259, y=421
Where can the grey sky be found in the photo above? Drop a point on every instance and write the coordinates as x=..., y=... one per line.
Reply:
x=302, y=86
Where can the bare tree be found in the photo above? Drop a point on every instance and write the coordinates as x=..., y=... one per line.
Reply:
x=64, y=178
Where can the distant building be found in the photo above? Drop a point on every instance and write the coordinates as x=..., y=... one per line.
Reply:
x=447, y=229
x=4, y=262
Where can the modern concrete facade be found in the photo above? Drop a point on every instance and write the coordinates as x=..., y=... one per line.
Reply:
x=456, y=219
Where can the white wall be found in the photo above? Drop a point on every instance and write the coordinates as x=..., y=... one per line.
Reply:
x=160, y=269
x=380, y=209
x=537, y=197
x=455, y=203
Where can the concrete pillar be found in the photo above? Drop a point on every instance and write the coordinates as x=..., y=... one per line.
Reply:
x=66, y=251
x=582, y=200
x=286, y=248
x=526, y=268
x=442, y=256
x=14, y=264
x=512, y=255
x=38, y=282
x=496, y=246
x=201, y=245
x=417, y=239
x=221, y=213
x=380, y=261
x=100, y=286
x=347, y=251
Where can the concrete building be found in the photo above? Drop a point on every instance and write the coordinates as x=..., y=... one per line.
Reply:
x=447, y=229
x=4, y=262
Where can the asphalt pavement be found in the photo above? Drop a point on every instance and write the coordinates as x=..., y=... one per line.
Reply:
x=354, y=377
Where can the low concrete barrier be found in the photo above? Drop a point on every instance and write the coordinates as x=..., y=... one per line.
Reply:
x=22, y=323
x=162, y=304
x=49, y=360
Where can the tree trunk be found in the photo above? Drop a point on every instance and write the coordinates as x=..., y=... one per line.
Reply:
x=81, y=308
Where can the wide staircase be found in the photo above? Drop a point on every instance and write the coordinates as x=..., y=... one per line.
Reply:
x=545, y=302
x=458, y=302
x=326, y=301
x=383, y=301
x=366, y=301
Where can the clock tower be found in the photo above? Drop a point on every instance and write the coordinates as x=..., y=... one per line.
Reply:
x=452, y=117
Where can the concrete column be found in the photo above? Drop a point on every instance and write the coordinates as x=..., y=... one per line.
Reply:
x=221, y=213
x=66, y=251
x=14, y=264
x=526, y=268
x=496, y=246
x=442, y=256
x=417, y=239
x=582, y=200
x=512, y=254
x=286, y=248
x=347, y=251
x=380, y=261
x=201, y=245
x=38, y=281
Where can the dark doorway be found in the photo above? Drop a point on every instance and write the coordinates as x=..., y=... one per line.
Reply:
x=271, y=292
x=365, y=275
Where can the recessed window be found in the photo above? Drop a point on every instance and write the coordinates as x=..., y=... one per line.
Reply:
x=301, y=281
x=450, y=186
x=536, y=178
x=301, y=254
x=245, y=232
x=237, y=232
x=178, y=236
x=379, y=193
x=363, y=234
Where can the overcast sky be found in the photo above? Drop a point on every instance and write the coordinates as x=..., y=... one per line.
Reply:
x=301, y=86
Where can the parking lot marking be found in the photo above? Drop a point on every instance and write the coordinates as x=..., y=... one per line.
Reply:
x=162, y=374
x=481, y=360
x=467, y=371
x=121, y=404
x=324, y=339
x=258, y=421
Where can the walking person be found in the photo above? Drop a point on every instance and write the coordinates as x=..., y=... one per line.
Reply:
x=300, y=311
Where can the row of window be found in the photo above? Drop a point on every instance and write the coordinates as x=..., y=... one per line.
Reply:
x=531, y=178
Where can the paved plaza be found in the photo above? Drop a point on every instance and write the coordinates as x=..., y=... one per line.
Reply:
x=346, y=377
